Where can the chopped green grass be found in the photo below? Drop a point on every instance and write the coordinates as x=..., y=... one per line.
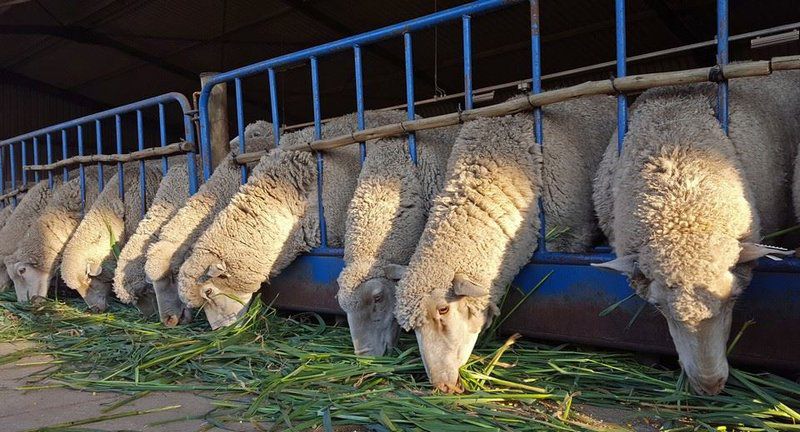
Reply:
x=297, y=372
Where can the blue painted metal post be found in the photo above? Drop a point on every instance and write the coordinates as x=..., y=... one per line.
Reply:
x=240, y=124
x=536, y=87
x=722, y=59
x=24, y=146
x=359, y=69
x=120, y=167
x=98, y=131
x=622, y=70
x=142, y=180
x=50, y=179
x=162, y=129
x=467, y=36
x=273, y=102
x=64, y=153
x=323, y=226
x=412, y=137
x=36, y=175
x=12, y=161
x=81, y=169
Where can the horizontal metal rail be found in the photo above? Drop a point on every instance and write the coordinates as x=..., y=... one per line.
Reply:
x=148, y=153
x=11, y=194
x=611, y=86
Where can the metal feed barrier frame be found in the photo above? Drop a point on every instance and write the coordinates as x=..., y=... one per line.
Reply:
x=568, y=304
x=99, y=158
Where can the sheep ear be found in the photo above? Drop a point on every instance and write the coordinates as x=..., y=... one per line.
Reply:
x=463, y=286
x=394, y=271
x=217, y=270
x=753, y=251
x=93, y=269
x=624, y=264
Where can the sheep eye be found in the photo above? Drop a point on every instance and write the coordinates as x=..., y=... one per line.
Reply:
x=443, y=310
x=22, y=270
x=209, y=292
x=378, y=298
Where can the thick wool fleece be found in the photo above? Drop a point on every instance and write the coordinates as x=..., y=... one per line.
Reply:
x=44, y=242
x=390, y=206
x=274, y=217
x=24, y=214
x=174, y=240
x=484, y=225
x=109, y=215
x=682, y=194
x=5, y=213
x=129, y=276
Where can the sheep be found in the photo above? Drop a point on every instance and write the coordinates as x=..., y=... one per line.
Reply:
x=384, y=221
x=5, y=213
x=38, y=254
x=17, y=224
x=168, y=250
x=87, y=265
x=484, y=225
x=271, y=220
x=130, y=283
x=684, y=206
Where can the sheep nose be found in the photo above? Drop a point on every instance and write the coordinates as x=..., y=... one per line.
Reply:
x=96, y=309
x=171, y=321
x=448, y=388
x=715, y=387
x=363, y=351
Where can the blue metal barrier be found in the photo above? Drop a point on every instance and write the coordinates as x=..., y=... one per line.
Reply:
x=97, y=118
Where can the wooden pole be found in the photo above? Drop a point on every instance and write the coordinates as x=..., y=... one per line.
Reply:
x=217, y=118
x=628, y=84
x=13, y=193
x=148, y=153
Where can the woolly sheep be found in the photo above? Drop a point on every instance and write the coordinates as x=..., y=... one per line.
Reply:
x=174, y=240
x=271, y=220
x=17, y=224
x=384, y=221
x=484, y=225
x=88, y=263
x=38, y=255
x=684, y=205
x=5, y=213
x=130, y=283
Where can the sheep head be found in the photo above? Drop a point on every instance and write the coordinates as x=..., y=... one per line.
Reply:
x=373, y=327
x=29, y=280
x=221, y=307
x=171, y=310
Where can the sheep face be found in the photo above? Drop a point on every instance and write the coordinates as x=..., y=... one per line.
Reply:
x=698, y=314
x=171, y=310
x=29, y=281
x=450, y=330
x=146, y=303
x=373, y=328
x=222, y=309
x=94, y=288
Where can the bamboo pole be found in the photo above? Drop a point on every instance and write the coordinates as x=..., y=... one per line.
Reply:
x=148, y=153
x=13, y=193
x=628, y=84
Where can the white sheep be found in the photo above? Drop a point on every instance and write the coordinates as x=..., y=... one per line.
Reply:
x=271, y=220
x=174, y=240
x=5, y=213
x=89, y=258
x=384, y=221
x=130, y=283
x=684, y=205
x=38, y=255
x=484, y=225
x=24, y=214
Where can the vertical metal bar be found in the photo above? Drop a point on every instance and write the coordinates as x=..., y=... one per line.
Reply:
x=412, y=137
x=120, y=168
x=12, y=160
x=240, y=124
x=81, y=169
x=50, y=179
x=360, y=97
x=622, y=70
x=23, y=145
x=467, y=36
x=142, y=180
x=323, y=227
x=162, y=129
x=536, y=87
x=722, y=59
x=98, y=131
x=273, y=101
x=36, y=175
x=64, y=153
